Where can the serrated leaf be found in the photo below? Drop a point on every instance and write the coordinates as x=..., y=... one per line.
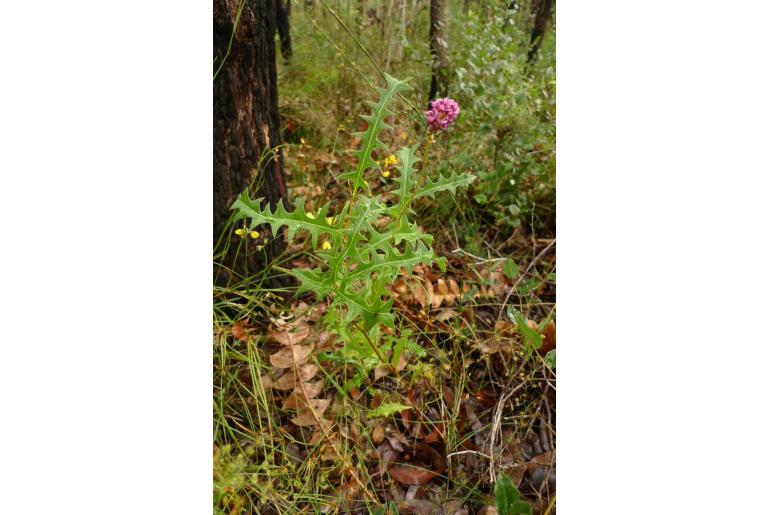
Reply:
x=449, y=183
x=405, y=180
x=313, y=280
x=387, y=409
x=315, y=224
x=390, y=263
x=369, y=138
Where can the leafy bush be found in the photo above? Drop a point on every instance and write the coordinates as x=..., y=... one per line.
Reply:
x=508, y=120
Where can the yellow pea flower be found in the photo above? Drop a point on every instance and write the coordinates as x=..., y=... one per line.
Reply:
x=386, y=174
x=254, y=235
x=310, y=215
x=326, y=245
x=330, y=220
x=240, y=232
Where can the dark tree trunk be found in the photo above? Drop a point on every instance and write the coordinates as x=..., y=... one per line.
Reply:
x=543, y=10
x=246, y=120
x=439, y=81
x=284, y=34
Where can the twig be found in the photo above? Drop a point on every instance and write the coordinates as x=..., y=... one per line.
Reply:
x=487, y=456
x=496, y=422
x=477, y=258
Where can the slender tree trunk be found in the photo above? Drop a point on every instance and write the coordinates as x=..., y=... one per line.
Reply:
x=543, y=10
x=439, y=81
x=246, y=120
x=283, y=11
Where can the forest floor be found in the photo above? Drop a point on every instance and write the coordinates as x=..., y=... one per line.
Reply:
x=471, y=396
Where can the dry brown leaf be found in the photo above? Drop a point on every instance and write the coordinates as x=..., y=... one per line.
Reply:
x=490, y=346
x=397, y=440
x=381, y=371
x=446, y=314
x=310, y=390
x=329, y=453
x=287, y=381
x=266, y=381
x=378, y=435
x=291, y=337
x=286, y=358
x=309, y=415
x=549, y=338
x=411, y=475
x=403, y=361
x=418, y=507
x=292, y=401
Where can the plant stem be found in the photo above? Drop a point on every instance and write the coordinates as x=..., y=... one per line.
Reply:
x=377, y=351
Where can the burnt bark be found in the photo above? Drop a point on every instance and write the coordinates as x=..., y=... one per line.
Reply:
x=543, y=11
x=439, y=80
x=283, y=12
x=246, y=119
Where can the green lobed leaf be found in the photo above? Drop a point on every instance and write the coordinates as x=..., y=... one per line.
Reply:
x=370, y=137
x=449, y=183
x=406, y=180
x=387, y=409
x=316, y=224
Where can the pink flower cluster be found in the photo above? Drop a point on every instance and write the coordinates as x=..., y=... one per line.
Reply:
x=442, y=113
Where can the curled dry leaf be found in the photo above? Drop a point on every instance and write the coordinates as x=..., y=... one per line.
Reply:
x=298, y=397
x=381, y=371
x=310, y=414
x=446, y=314
x=288, y=382
x=411, y=475
x=239, y=330
x=378, y=434
x=310, y=389
x=549, y=338
x=426, y=456
x=291, y=336
x=286, y=358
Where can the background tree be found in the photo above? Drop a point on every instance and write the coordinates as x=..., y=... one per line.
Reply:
x=439, y=81
x=283, y=12
x=246, y=119
x=543, y=10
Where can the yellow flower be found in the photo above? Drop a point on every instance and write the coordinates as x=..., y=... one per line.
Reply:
x=326, y=245
x=240, y=232
x=254, y=235
x=391, y=160
x=310, y=215
x=330, y=220
x=386, y=173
